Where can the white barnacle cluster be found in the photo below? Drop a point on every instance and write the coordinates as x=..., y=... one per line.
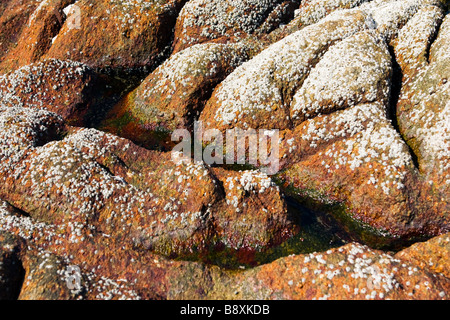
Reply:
x=108, y=289
x=20, y=130
x=128, y=14
x=182, y=70
x=342, y=124
x=40, y=84
x=254, y=180
x=257, y=85
x=391, y=15
x=183, y=219
x=23, y=226
x=247, y=182
x=217, y=18
x=370, y=275
x=350, y=72
x=90, y=140
x=189, y=171
x=414, y=38
x=319, y=9
x=369, y=139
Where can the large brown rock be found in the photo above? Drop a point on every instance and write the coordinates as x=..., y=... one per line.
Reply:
x=355, y=155
x=356, y=70
x=45, y=279
x=254, y=214
x=227, y=20
x=14, y=15
x=136, y=32
x=36, y=35
x=351, y=272
x=110, y=269
x=67, y=88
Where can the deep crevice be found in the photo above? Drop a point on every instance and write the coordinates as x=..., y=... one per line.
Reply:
x=432, y=39
x=11, y=264
x=284, y=13
x=396, y=88
x=15, y=277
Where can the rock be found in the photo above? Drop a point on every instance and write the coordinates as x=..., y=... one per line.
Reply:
x=112, y=270
x=423, y=107
x=59, y=268
x=376, y=157
x=37, y=34
x=14, y=15
x=431, y=255
x=353, y=158
x=357, y=160
x=67, y=88
x=356, y=70
x=338, y=151
x=138, y=33
x=107, y=183
x=311, y=11
x=258, y=93
x=50, y=277
x=227, y=20
x=173, y=96
x=254, y=215
x=351, y=272
x=419, y=30
x=391, y=16
x=84, y=186
x=97, y=203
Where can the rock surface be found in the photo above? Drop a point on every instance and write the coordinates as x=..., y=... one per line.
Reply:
x=423, y=106
x=258, y=94
x=37, y=34
x=228, y=20
x=94, y=203
x=137, y=33
x=349, y=272
x=14, y=15
x=67, y=88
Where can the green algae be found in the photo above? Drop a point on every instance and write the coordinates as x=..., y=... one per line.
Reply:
x=341, y=217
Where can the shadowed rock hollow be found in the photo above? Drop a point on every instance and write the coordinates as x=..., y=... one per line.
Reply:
x=91, y=91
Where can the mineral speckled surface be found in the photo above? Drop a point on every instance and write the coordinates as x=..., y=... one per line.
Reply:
x=94, y=205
